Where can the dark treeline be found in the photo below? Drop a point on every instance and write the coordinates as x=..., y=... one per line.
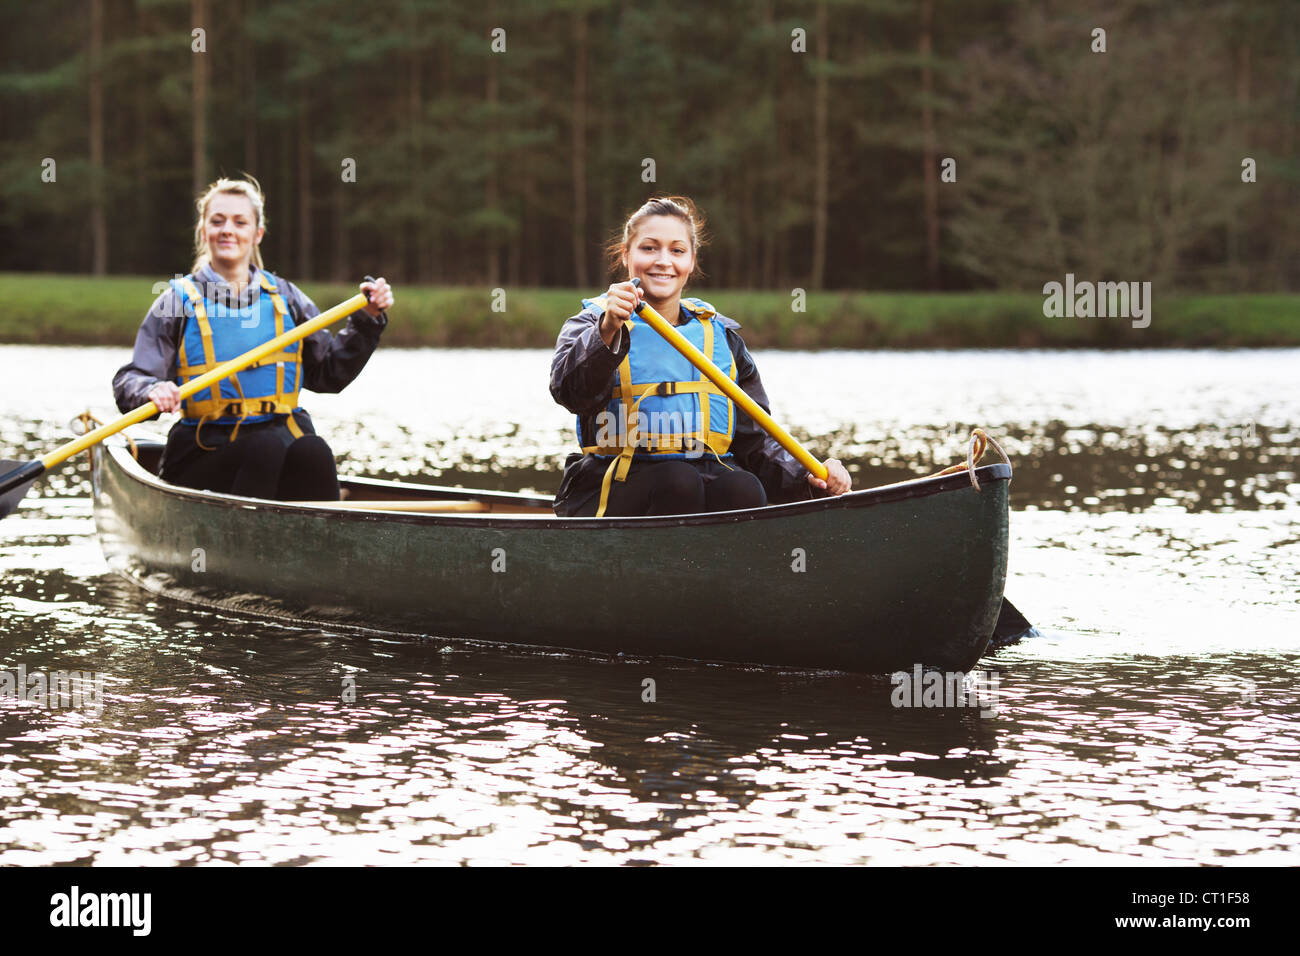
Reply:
x=813, y=134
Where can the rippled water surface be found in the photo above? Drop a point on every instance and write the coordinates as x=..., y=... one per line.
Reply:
x=1155, y=541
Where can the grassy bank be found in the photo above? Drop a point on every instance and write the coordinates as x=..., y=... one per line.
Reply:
x=81, y=310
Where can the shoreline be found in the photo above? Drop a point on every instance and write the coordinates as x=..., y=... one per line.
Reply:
x=51, y=309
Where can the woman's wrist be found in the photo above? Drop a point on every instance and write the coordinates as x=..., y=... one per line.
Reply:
x=613, y=338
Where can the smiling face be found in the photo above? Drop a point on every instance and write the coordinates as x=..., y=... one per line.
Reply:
x=661, y=256
x=232, y=232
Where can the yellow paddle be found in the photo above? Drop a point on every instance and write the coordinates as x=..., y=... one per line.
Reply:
x=14, y=484
x=730, y=388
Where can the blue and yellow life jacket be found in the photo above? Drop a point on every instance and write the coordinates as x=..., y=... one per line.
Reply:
x=663, y=406
x=214, y=333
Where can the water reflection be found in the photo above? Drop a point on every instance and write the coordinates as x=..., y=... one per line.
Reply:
x=1156, y=721
x=225, y=741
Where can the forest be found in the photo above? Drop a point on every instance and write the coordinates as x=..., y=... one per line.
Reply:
x=876, y=145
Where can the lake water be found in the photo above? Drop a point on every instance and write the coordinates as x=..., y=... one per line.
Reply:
x=1155, y=542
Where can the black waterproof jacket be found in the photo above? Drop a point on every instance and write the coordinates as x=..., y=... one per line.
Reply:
x=584, y=372
x=329, y=362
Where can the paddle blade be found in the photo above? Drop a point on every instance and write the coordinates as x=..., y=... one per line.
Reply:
x=1011, y=627
x=15, y=478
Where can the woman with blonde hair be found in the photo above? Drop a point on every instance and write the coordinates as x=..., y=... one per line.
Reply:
x=248, y=436
x=657, y=437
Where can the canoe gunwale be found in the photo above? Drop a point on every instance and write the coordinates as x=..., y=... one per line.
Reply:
x=865, y=498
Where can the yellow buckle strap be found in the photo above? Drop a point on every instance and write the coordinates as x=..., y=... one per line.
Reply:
x=604, y=489
x=192, y=371
x=281, y=310
x=244, y=408
x=624, y=460
x=618, y=468
x=205, y=417
x=704, y=400
x=230, y=407
x=205, y=331
x=277, y=300
x=665, y=389
x=659, y=443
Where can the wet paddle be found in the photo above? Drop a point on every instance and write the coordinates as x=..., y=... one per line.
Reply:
x=17, y=477
x=1011, y=625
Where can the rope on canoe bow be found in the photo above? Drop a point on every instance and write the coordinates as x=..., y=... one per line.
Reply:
x=979, y=442
x=89, y=421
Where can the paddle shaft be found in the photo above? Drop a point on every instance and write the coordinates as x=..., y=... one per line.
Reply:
x=33, y=469
x=730, y=388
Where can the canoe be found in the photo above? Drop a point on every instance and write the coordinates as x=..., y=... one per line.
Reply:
x=877, y=580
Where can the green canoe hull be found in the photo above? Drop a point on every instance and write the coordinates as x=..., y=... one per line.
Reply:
x=873, y=581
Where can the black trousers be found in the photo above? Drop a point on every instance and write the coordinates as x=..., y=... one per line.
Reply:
x=676, y=487
x=264, y=461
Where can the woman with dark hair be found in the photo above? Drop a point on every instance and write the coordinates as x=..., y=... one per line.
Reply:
x=248, y=435
x=657, y=436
